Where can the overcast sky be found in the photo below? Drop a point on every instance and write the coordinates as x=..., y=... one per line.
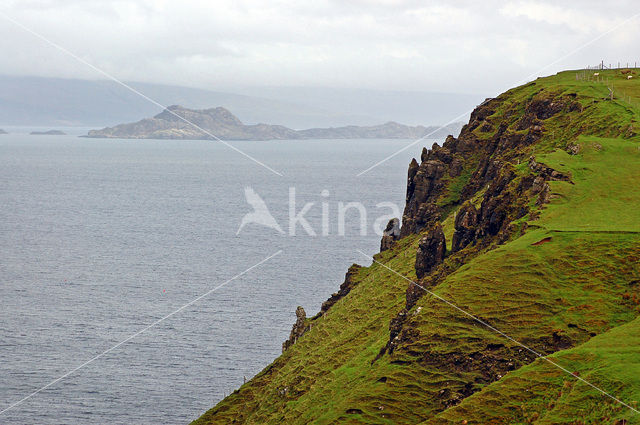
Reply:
x=472, y=47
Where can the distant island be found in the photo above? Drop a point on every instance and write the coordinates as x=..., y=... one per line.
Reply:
x=48, y=133
x=223, y=124
x=3, y=132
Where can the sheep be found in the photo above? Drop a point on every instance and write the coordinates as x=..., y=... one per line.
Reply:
x=629, y=77
x=595, y=74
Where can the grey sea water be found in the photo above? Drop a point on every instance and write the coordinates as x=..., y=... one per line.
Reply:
x=100, y=238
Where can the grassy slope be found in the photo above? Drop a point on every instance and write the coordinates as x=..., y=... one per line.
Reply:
x=574, y=286
x=579, y=278
x=540, y=393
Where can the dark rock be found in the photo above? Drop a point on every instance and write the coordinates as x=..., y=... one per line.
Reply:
x=390, y=235
x=547, y=173
x=465, y=225
x=431, y=250
x=345, y=288
x=545, y=108
x=486, y=127
x=424, y=183
x=395, y=327
x=455, y=168
x=299, y=329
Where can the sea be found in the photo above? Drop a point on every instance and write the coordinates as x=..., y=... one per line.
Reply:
x=128, y=292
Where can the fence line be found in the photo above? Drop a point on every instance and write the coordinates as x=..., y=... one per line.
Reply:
x=590, y=73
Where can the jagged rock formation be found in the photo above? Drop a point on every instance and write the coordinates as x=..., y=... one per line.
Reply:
x=476, y=175
x=299, y=328
x=431, y=250
x=480, y=167
x=465, y=226
x=390, y=234
x=345, y=288
x=424, y=184
x=174, y=123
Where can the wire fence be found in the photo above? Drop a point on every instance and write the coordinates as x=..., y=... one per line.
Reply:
x=628, y=71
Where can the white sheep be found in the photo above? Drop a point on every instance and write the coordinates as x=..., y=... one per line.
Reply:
x=595, y=74
x=629, y=77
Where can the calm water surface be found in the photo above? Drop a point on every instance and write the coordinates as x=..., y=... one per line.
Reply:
x=100, y=238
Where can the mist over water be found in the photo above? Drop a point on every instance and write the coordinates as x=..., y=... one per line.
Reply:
x=100, y=238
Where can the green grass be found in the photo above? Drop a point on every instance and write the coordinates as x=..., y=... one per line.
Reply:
x=321, y=366
x=584, y=281
x=606, y=192
x=541, y=393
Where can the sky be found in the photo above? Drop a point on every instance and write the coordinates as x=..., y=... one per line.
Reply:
x=442, y=46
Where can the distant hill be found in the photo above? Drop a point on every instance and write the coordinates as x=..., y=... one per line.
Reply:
x=54, y=102
x=48, y=133
x=223, y=124
x=2, y=131
x=390, y=130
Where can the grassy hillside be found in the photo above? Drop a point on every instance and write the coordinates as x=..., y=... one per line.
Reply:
x=562, y=277
x=541, y=393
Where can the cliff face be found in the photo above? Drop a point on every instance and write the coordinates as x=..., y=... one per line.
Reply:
x=449, y=175
x=528, y=223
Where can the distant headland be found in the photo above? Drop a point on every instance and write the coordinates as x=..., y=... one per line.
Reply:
x=175, y=123
x=48, y=133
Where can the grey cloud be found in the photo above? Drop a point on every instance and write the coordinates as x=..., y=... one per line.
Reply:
x=459, y=46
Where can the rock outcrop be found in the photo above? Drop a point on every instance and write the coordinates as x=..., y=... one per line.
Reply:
x=488, y=193
x=465, y=227
x=299, y=328
x=431, y=250
x=390, y=235
x=346, y=287
x=482, y=167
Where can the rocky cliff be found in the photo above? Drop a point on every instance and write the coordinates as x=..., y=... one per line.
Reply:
x=520, y=242
x=174, y=123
